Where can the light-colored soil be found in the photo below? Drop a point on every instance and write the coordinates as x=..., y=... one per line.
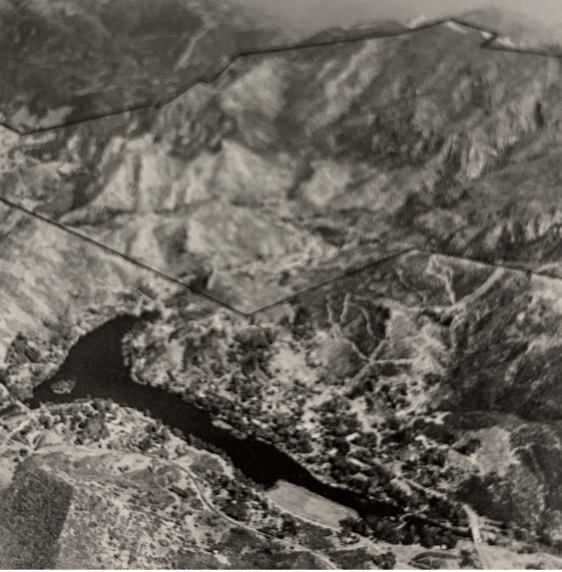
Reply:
x=303, y=503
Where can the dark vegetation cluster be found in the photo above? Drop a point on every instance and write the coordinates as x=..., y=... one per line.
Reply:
x=23, y=352
x=157, y=434
x=408, y=529
x=235, y=497
x=242, y=363
x=349, y=454
x=88, y=421
x=239, y=499
x=360, y=559
x=33, y=510
x=250, y=551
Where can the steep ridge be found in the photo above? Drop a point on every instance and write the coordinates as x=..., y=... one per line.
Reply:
x=330, y=156
x=289, y=169
x=136, y=56
x=71, y=61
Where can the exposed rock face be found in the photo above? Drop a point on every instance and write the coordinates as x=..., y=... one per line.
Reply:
x=421, y=167
x=421, y=140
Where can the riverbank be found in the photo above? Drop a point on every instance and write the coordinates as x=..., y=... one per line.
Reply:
x=96, y=367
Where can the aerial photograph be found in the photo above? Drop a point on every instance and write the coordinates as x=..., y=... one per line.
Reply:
x=281, y=284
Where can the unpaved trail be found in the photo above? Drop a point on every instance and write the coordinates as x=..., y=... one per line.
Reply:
x=234, y=522
x=207, y=503
x=479, y=545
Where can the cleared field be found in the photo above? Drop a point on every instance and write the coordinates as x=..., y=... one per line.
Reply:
x=303, y=503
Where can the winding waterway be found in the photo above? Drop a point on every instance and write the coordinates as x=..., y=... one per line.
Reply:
x=96, y=364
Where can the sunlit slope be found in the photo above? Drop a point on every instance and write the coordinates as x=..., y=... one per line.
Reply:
x=330, y=155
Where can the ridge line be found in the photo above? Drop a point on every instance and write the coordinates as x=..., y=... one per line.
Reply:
x=126, y=257
x=487, y=44
x=311, y=288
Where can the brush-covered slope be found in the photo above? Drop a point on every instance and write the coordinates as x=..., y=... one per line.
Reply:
x=54, y=288
x=326, y=156
x=93, y=485
x=73, y=60
x=442, y=371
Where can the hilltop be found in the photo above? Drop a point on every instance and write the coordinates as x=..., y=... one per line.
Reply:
x=346, y=253
x=263, y=179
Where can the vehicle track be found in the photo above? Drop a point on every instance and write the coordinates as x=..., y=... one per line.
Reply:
x=208, y=504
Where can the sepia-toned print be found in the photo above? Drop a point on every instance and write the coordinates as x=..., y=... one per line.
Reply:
x=277, y=291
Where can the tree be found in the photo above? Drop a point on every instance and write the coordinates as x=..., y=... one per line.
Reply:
x=289, y=524
x=449, y=540
x=385, y=561
x=348, y=525
x=504, y=243
x=342, y=445
x=238, y=510
x=466, y=559
x=428, y=536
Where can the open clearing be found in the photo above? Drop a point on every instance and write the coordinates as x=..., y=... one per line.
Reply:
x=305, y=504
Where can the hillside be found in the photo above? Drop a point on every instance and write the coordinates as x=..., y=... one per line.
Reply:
x=305, y=314
x=517, y=31
x=403, y=365
x=80, y=59
x=431, y=143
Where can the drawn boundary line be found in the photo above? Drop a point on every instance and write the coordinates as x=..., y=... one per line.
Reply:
x=122, y=255
x=345, y=274
x=197, y=291
x=315, y=286
x=487, y=44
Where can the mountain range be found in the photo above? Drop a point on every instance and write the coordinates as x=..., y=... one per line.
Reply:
x=318, y=159
x=348, y=250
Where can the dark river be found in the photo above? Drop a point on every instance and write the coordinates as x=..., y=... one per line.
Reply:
x=96, y=364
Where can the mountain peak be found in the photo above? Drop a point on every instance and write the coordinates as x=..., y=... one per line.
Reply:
x=520, y=30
